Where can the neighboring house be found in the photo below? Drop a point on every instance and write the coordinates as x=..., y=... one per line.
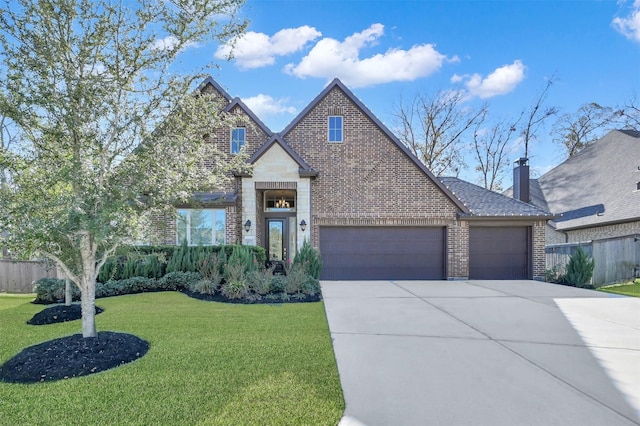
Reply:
x=336, y=176
x=596, y=196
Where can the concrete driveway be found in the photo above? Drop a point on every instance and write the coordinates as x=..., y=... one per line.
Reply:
x=484, y=353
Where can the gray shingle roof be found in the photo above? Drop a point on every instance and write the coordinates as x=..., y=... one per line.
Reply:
x=484, y=203
x=598, y=185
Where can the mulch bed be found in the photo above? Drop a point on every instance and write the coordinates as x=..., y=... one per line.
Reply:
x=218, y=297
x=59, y=313
x=72, y=356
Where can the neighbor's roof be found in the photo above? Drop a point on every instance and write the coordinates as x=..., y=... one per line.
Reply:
x=484, y=203
x=599, y=185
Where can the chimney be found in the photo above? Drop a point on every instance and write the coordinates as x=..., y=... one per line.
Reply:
x=521, y=180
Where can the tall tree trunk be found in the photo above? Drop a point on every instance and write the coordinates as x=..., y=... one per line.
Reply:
x=88, y=300
x=68, y=298
x=88, y=286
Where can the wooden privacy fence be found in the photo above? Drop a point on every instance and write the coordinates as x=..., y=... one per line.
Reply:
x=616, y=259
x=18, y=276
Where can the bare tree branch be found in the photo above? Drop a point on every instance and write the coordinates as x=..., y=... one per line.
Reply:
x=433, y=128
x=576, y=131
x=536, y=115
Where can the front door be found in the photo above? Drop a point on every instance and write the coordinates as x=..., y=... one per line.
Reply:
x=280, y=238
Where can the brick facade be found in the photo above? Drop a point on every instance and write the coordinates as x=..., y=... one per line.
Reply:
x=365, y=180
x=602, y=232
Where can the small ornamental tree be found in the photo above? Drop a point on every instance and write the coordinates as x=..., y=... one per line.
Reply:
x=309, y=259
x=579, y=269
x=108, y=129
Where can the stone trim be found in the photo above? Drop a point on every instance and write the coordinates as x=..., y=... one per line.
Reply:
x=276, y=185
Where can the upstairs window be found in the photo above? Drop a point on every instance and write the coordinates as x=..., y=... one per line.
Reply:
x=237, y=139
x=335, y=128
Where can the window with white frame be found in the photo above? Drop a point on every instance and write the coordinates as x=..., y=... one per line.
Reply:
x=238, y=137
x=201, y=226
x=335, y=128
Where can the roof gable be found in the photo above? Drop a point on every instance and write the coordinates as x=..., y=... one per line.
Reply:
x=237, y=102
x=337, y=84
x=305, y=169
x=209, y=81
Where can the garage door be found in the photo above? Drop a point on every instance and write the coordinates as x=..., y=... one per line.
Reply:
x=382, y=253
x=500, y=252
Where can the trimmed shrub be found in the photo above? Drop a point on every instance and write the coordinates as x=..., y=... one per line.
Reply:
x=178, y=280
x=278, y=284
x=51, y=290
x=309, y=258
x=311, y=286
x=579, y=269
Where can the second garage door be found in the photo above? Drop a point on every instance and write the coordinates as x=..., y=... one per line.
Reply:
x=500, y=253
x=383, y=253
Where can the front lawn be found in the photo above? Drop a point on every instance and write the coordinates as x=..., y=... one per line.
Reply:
x=208, y=364
x=629, y=289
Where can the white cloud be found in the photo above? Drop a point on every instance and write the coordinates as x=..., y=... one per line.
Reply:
x=331, y=58
x=501, y=81
x=629, y=26
x=457, y=78
x=169, y=43
x=266, y=106
x=255, y=50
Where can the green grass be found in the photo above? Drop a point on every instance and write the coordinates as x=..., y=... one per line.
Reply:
x=628, y=289
x=12, y=300
x=208, y=364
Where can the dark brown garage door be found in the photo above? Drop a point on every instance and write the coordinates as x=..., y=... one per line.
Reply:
x=382, y=253
x=500, y=253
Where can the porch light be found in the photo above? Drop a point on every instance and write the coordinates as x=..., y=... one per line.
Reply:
x=247, y=225
x=303, y=225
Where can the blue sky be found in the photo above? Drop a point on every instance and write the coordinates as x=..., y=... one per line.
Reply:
x=499, y=52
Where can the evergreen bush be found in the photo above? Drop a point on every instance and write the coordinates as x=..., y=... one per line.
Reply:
x=309, y=258
x=579, y=269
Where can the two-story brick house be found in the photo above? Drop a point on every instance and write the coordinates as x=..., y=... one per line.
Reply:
x=339, y=178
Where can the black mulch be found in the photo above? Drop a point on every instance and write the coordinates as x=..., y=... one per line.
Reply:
x=218, y=297
x=72, y=356
x=59, y=313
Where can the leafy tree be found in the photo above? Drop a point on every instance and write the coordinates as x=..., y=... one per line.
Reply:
x=433, y=128
x=576, y=131
x=107, y=130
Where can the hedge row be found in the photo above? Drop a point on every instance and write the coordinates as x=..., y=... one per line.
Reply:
x=256, y=285
x=157, y=261
x=51, y=290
